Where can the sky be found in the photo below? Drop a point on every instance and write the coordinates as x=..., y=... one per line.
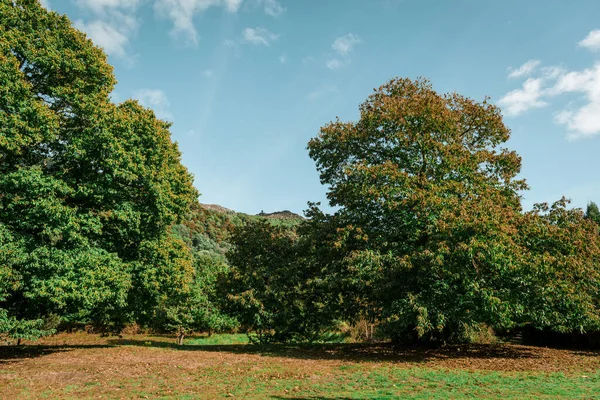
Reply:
x=247, y=83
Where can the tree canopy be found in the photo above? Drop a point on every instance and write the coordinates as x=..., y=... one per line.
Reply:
x=88, y=189
x=430, y=218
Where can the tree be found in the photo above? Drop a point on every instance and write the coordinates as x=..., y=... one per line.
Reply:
x=89, y=189
x=428, y=201
x=561, y=270
x=592, y=212
x=199, y=309
x=273, y=288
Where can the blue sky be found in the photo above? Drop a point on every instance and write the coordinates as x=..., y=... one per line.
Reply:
x=247, y=83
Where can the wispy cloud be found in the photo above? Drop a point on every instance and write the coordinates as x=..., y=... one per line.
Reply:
x=113, y=24
x=591, y=41
x=103, y=6
x=520, y=100
x=282, y=59
x=524, y=70
x=343, y=46
x=272, y=7
x=582, y=120
x=208, y=73
x=112, y=39
x=258, y=36
x=334, y=63
x=308, y=60
x=155, y=99
x=46, y=4
x=182, y=12
x=585, y=120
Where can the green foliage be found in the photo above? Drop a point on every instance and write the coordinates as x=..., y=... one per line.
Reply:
x=13, y=329
x=592, y=212
x=425, y=194
x=429, y=240
x=561, y=270
x=198, y=309
x=273, y=289
x=89, y=189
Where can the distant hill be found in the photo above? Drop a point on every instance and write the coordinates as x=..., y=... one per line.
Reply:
x=216, y=207
x=208, y=227
x=283, y=218
x=285, y=214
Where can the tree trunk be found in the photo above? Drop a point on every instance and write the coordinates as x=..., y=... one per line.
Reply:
x=180, y=336
x=18, y=341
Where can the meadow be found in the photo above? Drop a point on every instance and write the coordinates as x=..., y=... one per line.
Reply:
x=85, y=366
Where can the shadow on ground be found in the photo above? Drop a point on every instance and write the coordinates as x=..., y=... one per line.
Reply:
x=353, y=352
x=341, y=352
x=10, y=354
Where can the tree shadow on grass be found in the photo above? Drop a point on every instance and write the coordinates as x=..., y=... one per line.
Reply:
x=10, y=354
x=354, y=352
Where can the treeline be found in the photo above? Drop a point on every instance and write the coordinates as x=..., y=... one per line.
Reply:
x=429, y=241
x=100, y=224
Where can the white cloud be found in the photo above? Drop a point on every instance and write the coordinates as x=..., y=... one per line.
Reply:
x=334, y=63
x=524, y=70
x=575, y=81
x=344, y=45
x=526, y=98
x=591, y=41
x=272, y=7
x=552, y=73
x=208, y=73
x=322, y=91
x=182, y=12
x=258, y=36
x=114, y=24
x=282, y=59
x=233, y=5
x=102, y=6
x=583, y=118
x=105, y=35
x=584, y=121
x=156, y=100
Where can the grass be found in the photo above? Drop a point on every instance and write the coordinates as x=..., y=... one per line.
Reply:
x=76, y=366
x=218, y=339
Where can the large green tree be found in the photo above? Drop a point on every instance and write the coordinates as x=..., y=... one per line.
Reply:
x=426, y=195
x=88, y=189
